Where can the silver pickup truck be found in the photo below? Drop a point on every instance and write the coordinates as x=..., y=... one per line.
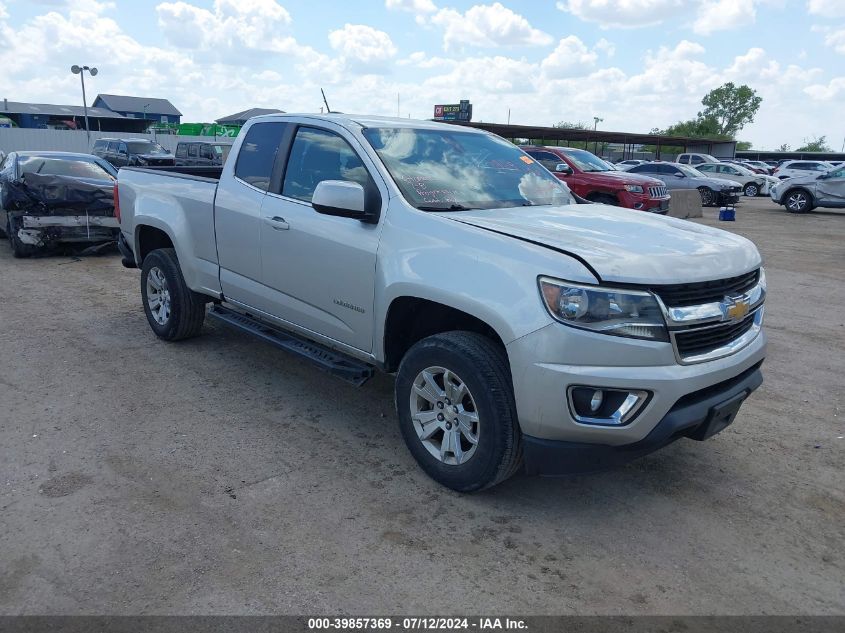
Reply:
x=524, y=329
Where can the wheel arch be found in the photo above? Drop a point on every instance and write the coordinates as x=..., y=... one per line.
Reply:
x=410, y=319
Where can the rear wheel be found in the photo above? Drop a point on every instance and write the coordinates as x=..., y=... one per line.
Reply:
x=797, y=201
x=707, y=197
x=173, y=310
x=457, y=412
x=751, y=190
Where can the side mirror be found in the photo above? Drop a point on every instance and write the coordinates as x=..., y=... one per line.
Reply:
x=822, y=177
x=343, y=199
x=563, y=168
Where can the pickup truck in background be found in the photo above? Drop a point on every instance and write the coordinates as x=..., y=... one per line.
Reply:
x=597, y=181
x=523, y=329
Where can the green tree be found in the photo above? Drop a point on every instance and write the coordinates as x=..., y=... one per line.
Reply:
x=818, y=144
x=743, y=146
x=731, y=107
x=784, y=148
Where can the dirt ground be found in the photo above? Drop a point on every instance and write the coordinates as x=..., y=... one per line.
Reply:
x=220, y=475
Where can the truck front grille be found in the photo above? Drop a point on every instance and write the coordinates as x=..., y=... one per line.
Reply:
x=680, y=295
x=658, y=192
x=702, y=340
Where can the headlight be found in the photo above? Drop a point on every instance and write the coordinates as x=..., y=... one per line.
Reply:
x=634, y=188
x=630, y=313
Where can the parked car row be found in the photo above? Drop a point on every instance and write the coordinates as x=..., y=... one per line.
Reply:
x=139, y=152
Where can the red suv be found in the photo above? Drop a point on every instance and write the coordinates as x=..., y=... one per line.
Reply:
x=592, y=178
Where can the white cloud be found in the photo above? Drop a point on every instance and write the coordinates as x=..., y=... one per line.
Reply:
x=836, y=40
x=605, y=47
x=485, y=25
x=623, y=13
x=720, y=15
x=834, y=89
x=362, y=44
x=414, y=6
x=251, y=24
x=827, y=8
x=571, y=58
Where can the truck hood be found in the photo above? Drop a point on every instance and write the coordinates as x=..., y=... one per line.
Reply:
x=624, y=246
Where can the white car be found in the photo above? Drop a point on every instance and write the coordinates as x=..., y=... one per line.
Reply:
x=631, y=162
x=752, y=184
x=695, y=160
x=793, y=168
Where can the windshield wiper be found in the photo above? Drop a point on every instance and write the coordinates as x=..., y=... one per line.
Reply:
x=454, y=207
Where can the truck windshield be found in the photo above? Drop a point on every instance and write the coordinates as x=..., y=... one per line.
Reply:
x=146, y=147
x=585, y=161
x=442, y=170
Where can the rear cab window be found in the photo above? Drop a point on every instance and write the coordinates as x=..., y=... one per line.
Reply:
x=258, y=152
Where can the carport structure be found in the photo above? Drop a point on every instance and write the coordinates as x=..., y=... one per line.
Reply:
x=719, y=148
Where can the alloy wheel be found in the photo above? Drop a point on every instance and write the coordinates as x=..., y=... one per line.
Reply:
x=444, y=415
x=158, y=295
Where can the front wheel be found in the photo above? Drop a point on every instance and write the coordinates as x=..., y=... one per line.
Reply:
x=456, y=409
x=19, y=249
x=707, y=196
x=751, y=190
x=173, y=310
x=798, y=201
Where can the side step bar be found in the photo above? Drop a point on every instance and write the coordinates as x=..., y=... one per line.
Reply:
x=337, y=363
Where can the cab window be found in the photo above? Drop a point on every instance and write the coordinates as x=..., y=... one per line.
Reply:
x=181, y=151
x=258, y=154
x=193, y=151
x=318, y=155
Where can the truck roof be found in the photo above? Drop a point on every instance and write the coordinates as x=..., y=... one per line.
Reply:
x=368, y=120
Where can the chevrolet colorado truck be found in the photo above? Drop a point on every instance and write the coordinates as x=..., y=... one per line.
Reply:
x=523, y=329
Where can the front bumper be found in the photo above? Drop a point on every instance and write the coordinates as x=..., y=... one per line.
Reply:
x=545, y=363
x=643, y=202
x=42, y=230
x=698, y=415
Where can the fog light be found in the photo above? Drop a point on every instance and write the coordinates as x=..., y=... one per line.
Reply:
x=596, y=401
x=605, y=407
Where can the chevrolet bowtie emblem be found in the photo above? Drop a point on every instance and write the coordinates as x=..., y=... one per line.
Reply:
x=735, y=308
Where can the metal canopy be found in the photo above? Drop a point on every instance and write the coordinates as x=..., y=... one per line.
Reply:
x=591, y=136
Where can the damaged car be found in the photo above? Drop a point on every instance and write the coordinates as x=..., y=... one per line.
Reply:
x=52, y=198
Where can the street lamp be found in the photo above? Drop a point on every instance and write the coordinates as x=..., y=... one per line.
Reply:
x=80, y=70
x=596, y=121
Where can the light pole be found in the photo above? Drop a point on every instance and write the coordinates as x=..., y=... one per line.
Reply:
x=80, y=70
x=596, y=121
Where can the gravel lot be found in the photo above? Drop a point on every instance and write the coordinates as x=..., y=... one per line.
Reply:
x=220, y=475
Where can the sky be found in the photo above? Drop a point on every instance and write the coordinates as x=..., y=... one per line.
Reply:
x=636, y=64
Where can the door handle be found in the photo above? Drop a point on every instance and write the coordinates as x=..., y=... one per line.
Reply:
x=278, y=223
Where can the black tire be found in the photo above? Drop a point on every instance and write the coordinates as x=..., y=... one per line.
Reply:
x=797, y=201
x=187, y=308
x=708, y=198
x=19, y=249
x=483, y=367
x=751, y=189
